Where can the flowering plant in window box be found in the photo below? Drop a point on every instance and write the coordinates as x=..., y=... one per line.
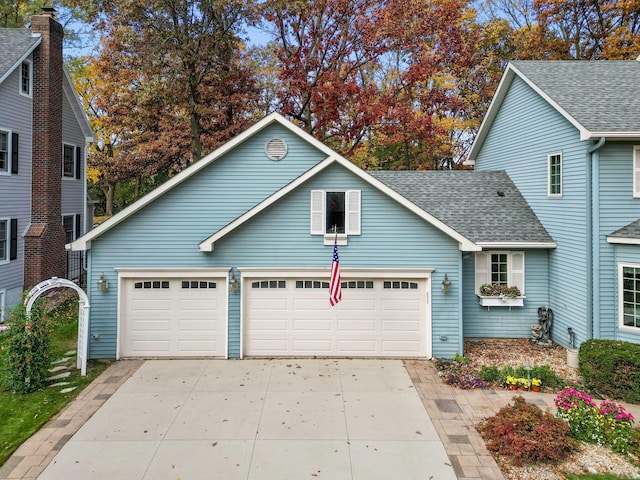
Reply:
x=498, y=290
x=496, y=295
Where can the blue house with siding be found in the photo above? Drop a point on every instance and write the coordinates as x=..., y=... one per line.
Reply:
x=43, y=136
x=231, y=258
x=568, y=135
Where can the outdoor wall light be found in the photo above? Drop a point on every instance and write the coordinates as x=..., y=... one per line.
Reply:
x=233, y=283
x=103, y=284
x=446, y=284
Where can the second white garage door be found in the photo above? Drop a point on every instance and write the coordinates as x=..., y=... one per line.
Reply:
x=376, y=318
x=173, y=317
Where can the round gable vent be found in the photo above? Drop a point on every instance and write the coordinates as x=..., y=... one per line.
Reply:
x=276, y=149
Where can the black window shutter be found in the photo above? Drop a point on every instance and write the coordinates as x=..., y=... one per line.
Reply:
x=13, y=244
x=78, y=230
x=78, y=162
x=14, y=153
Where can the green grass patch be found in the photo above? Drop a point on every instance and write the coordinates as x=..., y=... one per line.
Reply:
x=24, y=414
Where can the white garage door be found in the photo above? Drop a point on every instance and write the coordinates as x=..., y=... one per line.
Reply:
x=173, y=317
x=376, y=318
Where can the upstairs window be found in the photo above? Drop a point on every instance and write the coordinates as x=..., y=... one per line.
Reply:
x=335, y=212
x=4, y=241
x=26, y=75
x=4, y=151
x=71, y=161
x=555, y=174
x=8, y=239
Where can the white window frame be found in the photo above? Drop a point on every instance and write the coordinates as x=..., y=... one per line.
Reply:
x=73, y=165
x=551, y=194
x=515, y=268
x=621, y=325
x=636, y=171
x=74, y=234
x=3, y=296
x=7, y=240
x=352, y=221
x=7, y=169
x=28, y=94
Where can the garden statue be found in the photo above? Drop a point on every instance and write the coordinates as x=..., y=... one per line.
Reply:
x=540, y=332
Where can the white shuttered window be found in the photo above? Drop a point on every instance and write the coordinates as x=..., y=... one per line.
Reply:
x=502, y=267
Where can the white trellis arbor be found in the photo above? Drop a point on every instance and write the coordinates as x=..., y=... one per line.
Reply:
x=83, y=314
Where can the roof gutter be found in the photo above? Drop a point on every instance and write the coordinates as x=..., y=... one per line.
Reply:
x=593, y=233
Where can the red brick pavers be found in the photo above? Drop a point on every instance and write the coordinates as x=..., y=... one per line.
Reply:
x=32, y=457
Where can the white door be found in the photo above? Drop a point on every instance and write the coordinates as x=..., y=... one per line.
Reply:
x=376, y=318
x=173, y=317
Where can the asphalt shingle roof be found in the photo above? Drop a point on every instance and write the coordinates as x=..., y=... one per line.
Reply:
x=603, y=96
x=14, y=43
x=470, y=203
x=629, y=231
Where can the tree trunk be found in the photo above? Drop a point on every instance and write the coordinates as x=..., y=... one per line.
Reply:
x=108, y=191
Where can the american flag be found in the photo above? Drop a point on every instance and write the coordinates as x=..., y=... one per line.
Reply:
x=335, y=290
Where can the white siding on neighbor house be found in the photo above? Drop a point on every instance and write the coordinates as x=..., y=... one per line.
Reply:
x=618, y=207
x=166, y=234
x=525, y=131
x=15, y=190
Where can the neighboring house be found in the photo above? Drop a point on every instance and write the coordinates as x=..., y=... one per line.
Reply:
x=43, y=133
x=231, y=257
x=568, y=135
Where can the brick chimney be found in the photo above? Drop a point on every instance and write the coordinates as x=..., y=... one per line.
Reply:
x=45, y=254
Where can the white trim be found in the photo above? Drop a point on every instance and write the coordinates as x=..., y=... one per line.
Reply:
x=622, y=240
x=528, y=245
x=611, y=135
x=9, y=133
x=127, y=273
x=259, y=272
x=8, y=240
x=549, y=157
x=84, y=242
x=23, y=57
x=3, y=303
x=636, y=171
x=621, y=325
x=30, y=93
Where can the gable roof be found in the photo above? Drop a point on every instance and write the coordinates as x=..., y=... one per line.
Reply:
x=84, y=242
x=629, y=234
x=15, y=44
x=471, y=203
x=600, y=98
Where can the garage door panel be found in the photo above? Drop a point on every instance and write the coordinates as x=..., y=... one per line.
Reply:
x=322, y=325
x=356, y=325
x=312, y=347
x=375, y=318
x=173, y=317
x=401, y=326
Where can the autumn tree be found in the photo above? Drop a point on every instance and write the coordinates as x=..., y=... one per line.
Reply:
x=178, y=83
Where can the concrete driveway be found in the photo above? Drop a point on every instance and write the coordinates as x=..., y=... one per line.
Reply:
x=258, y=419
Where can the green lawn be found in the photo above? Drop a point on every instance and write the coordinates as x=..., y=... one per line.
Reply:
x=23, y=414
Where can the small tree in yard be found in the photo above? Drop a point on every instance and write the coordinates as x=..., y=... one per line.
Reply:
x=26, y=350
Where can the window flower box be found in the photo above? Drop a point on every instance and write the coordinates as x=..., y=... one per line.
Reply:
x=501, y=301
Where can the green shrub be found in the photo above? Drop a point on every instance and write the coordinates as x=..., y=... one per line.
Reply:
x=490, y=373
x=524, y=432
x=26, y=352
x=543, y=372
x=611, y=368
